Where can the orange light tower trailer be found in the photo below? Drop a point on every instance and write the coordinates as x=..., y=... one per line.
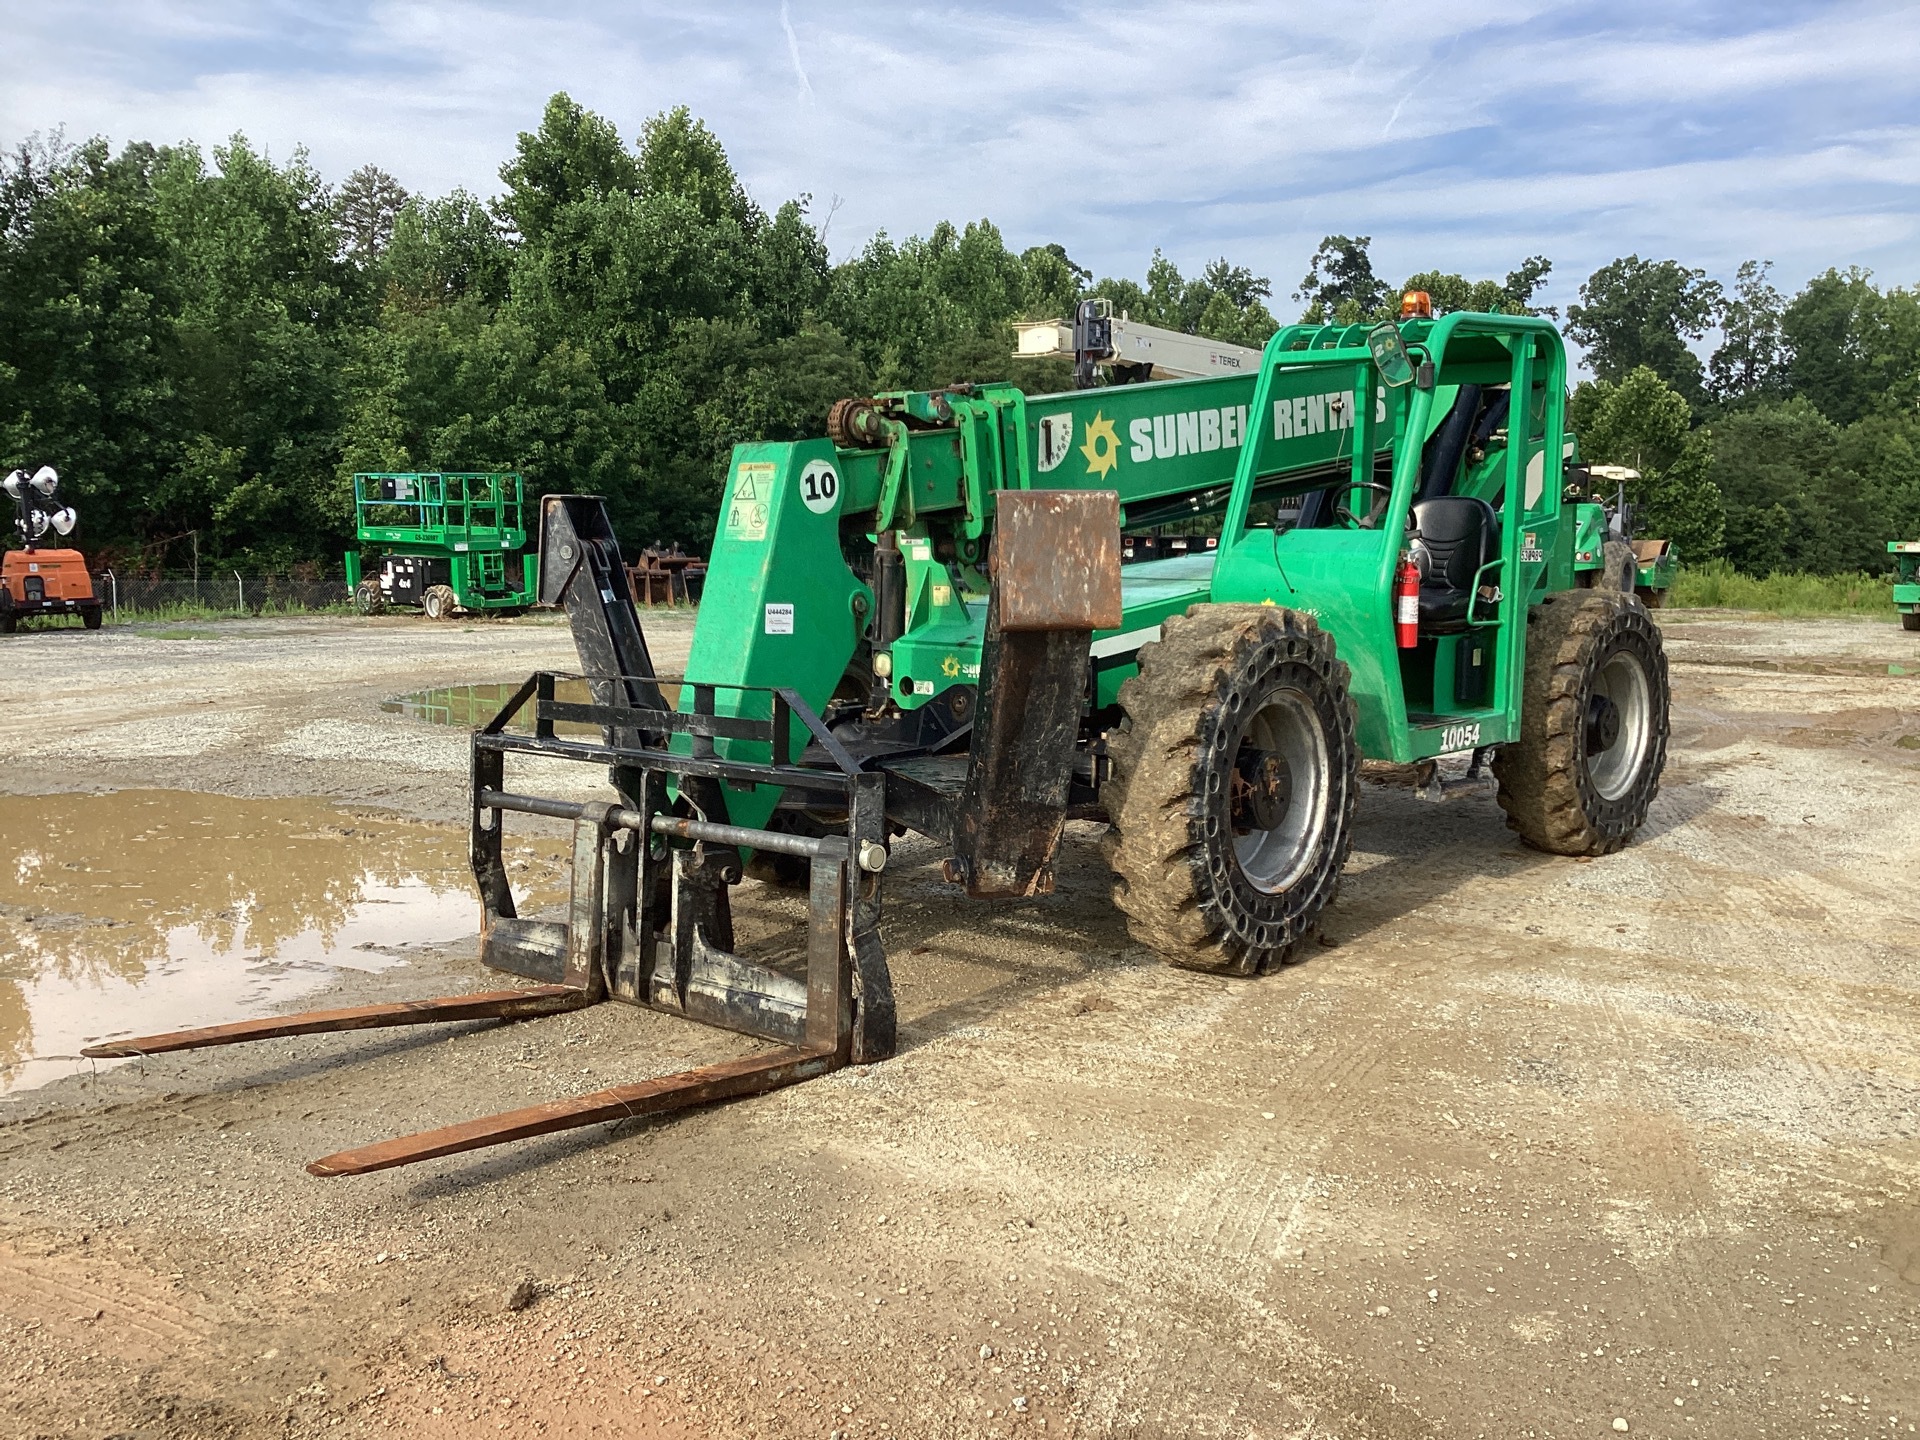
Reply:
x=34, y=580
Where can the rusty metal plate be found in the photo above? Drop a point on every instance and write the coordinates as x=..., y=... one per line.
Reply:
x=1057, y=559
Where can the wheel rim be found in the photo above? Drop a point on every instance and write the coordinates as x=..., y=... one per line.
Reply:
x=1278, y=792
x=1617, y=743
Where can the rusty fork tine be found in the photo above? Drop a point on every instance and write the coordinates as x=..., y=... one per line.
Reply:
x=487, y=1005
x=702, y=1086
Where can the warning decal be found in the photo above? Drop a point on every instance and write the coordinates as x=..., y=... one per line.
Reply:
x=747, y=506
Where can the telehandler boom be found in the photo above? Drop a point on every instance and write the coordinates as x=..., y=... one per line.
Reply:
x=920, y=623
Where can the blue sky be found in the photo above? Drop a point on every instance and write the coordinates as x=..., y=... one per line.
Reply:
x=1459, y=137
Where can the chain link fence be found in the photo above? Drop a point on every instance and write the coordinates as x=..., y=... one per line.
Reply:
x=166, y=597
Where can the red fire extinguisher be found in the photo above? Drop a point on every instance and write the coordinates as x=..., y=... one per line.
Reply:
x=1406, y=603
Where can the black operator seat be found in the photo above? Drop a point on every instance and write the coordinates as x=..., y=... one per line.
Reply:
x=1455, y=536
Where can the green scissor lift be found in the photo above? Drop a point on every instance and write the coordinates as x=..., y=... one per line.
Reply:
x=441, y=542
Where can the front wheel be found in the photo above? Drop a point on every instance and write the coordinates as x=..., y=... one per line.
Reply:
x=1910, y=619
x=1593, y=725
x=1232, y=790
x=91, y=617
x=368, y=598
x=438, y=602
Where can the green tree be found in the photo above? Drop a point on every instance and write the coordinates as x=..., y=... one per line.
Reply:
x=446, y=248
x=1853, y=349
x=1224, y=302
x=1340, y=285
x=939, y=306
x=1636, y=312
x=1644, y=423
x=1793, y=501
x=369, y=202
x=679, y=156
x=88, y=355
x=574, y=155
x=267, y=305
x=1749, y=364
x=1053, y=286
x=1523, y=283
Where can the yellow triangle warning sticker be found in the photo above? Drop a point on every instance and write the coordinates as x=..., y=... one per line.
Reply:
x=753, y=481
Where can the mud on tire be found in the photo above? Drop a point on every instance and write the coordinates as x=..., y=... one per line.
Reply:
x=1593, y=725
x=1619, y=570
x=1232, y=790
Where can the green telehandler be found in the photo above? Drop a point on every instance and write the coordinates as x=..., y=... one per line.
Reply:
x=1606, y=553
x=920, y=623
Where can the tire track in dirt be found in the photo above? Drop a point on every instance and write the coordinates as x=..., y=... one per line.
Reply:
x=90, y=1295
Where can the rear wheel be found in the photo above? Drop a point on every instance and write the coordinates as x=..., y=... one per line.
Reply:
x=91, y=617
x=368, y=598
x=1233, y=782
x=438, y=602
x=1593, y=725
x=1618, y=568
x=1910, y=620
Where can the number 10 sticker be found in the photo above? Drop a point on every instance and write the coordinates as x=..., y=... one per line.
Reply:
x=819, y=487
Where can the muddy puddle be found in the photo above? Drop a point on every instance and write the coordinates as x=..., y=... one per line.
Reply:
x=149, y=910
x=468, y=707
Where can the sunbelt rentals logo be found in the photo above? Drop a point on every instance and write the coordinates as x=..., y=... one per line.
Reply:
x=1102, y=447
x=1172, y=434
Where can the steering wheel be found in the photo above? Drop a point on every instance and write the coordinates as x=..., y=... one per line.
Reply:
x=1374, y=512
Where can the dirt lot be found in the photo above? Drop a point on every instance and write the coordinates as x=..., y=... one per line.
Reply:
x=1527, y=1147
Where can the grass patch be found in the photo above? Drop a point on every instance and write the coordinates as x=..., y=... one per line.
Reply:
x=1716, y=585
x=187, y=610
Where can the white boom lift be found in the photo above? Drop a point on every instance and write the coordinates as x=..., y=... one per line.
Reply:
x=1133, y=350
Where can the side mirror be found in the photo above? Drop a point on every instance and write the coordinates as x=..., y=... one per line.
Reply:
x=1390, y=356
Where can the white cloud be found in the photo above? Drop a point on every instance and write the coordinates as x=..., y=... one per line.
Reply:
x=1241, y=128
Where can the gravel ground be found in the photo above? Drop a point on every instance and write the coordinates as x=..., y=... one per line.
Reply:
x=1527, y=1147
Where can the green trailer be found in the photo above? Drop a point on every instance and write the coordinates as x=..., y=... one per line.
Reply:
x=440, y=542
x=1906, y=581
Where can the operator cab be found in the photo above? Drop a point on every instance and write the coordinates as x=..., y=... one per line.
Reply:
x=1453, y=539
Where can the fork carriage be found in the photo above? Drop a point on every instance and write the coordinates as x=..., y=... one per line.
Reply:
x=649, y=920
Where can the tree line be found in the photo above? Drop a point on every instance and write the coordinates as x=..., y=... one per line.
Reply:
x=209, y=345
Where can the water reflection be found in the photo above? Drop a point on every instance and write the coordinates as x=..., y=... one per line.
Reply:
x=147, y=910
x=468, y=707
